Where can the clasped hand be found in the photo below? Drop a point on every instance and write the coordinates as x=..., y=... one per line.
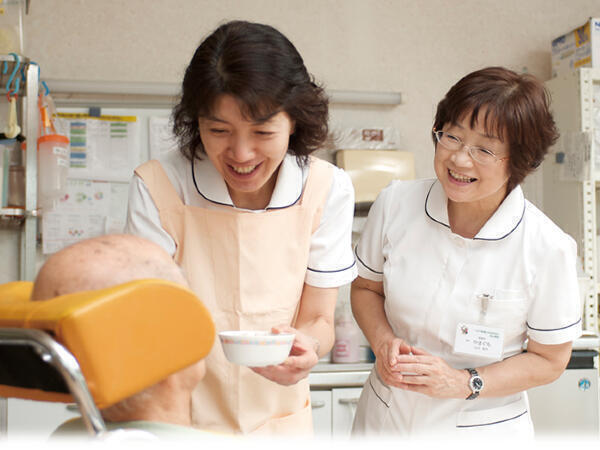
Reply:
x=303, y=357
x=413, y=369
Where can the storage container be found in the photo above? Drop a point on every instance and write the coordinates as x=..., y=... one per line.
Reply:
x=578, y=48
x=53, y=167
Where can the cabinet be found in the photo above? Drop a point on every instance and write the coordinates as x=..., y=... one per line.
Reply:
x=27, y=113
x=568, y=406
x=571, y=177
x=321, y=412
x=36, y=420
x=335, y=390
x=343, y=409
x=333, y=411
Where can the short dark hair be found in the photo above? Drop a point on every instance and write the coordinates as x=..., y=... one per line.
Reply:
x=516, y=109
x=262, y=69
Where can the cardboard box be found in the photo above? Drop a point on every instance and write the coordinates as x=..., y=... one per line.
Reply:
x=578, y=48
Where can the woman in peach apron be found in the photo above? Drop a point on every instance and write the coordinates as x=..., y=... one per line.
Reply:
x=261, y=229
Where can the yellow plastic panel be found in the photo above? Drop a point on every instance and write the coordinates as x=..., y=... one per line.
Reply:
x=125, y=338
x=372, y=170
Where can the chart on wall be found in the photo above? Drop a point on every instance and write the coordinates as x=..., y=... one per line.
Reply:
x=88, y=209
x=103, y=148
x=104, y=152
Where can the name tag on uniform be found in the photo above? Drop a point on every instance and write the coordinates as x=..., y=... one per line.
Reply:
x=473, y=339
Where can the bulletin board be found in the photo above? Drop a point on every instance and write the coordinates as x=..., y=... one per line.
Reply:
x=104, y=152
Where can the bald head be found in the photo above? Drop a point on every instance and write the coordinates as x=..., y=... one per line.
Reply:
x=102, y=262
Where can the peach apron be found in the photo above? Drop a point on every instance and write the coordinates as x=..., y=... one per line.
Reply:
x=248, y=268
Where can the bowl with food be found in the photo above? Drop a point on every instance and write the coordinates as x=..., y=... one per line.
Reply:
x=256, y=348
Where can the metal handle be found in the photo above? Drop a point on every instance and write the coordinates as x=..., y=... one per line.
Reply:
x=348, y=401
x=318, y=404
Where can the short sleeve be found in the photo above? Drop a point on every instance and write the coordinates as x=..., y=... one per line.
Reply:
x=369, y=250
x=331, y=261
x=143, y=218
x=555, y=312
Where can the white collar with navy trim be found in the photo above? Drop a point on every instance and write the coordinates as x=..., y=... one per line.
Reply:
x=288, y=188
x=504, y=221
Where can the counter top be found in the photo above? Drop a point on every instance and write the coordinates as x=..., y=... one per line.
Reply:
x=328, y=375
x=341, y=367
x=586, y=343
x=333, y=375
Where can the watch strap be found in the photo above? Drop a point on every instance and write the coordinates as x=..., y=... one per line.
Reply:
x=474, y=393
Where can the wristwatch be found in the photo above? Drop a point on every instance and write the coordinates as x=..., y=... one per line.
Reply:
x=475, y=383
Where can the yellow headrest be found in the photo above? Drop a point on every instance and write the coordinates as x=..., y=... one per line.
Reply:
x=16, y=291
x=125, y=338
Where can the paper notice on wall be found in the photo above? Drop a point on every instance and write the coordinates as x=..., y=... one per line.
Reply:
x=89, y=209
x=102, y=148
x=160, y=136
x=63, y=228
x=376, y=138
x=573, y=153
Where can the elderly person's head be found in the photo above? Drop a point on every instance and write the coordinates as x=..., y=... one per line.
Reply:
x=503, y=118
x=111, y=260
x=102, y=262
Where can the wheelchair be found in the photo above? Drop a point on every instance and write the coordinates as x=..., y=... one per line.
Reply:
x=96, y=348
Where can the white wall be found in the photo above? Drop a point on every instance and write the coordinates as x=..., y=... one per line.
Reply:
x=419, y=48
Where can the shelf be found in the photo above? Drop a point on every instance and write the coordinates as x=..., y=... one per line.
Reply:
x=151, y=94
x=14, y=217
x=9, y=58
x=569, y=203
x=18, y=212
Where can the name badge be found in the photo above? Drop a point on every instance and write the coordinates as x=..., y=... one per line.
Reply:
x=479, y=340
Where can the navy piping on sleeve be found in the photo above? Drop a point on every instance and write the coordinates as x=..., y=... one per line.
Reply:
x=475, y=238
x=491, y=423
x=333, y=271
x=363, y=263
x=553, y=329
x=233, y=206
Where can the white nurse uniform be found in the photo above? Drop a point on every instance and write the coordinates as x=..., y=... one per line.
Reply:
x=433, y=280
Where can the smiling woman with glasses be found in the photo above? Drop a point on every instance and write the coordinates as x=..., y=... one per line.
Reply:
x=456, y=273
x=479, y=154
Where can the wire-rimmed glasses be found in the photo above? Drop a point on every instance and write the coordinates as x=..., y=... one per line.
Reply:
x=453, y=143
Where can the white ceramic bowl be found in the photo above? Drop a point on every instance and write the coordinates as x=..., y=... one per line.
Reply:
x=256, y=348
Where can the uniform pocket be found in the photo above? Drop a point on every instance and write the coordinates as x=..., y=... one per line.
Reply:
x=381, y=390
x=373, y=407
x=509, y=295
x=295, y=424
x=499, y=417
x=507, y=310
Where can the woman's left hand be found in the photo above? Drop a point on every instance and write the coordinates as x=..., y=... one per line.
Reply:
x=432, y=375
x=303, y=357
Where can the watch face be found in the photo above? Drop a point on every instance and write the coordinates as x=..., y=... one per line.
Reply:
x=476, y=383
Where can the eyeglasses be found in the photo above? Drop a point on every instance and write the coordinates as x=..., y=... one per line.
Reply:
x=453, y=143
